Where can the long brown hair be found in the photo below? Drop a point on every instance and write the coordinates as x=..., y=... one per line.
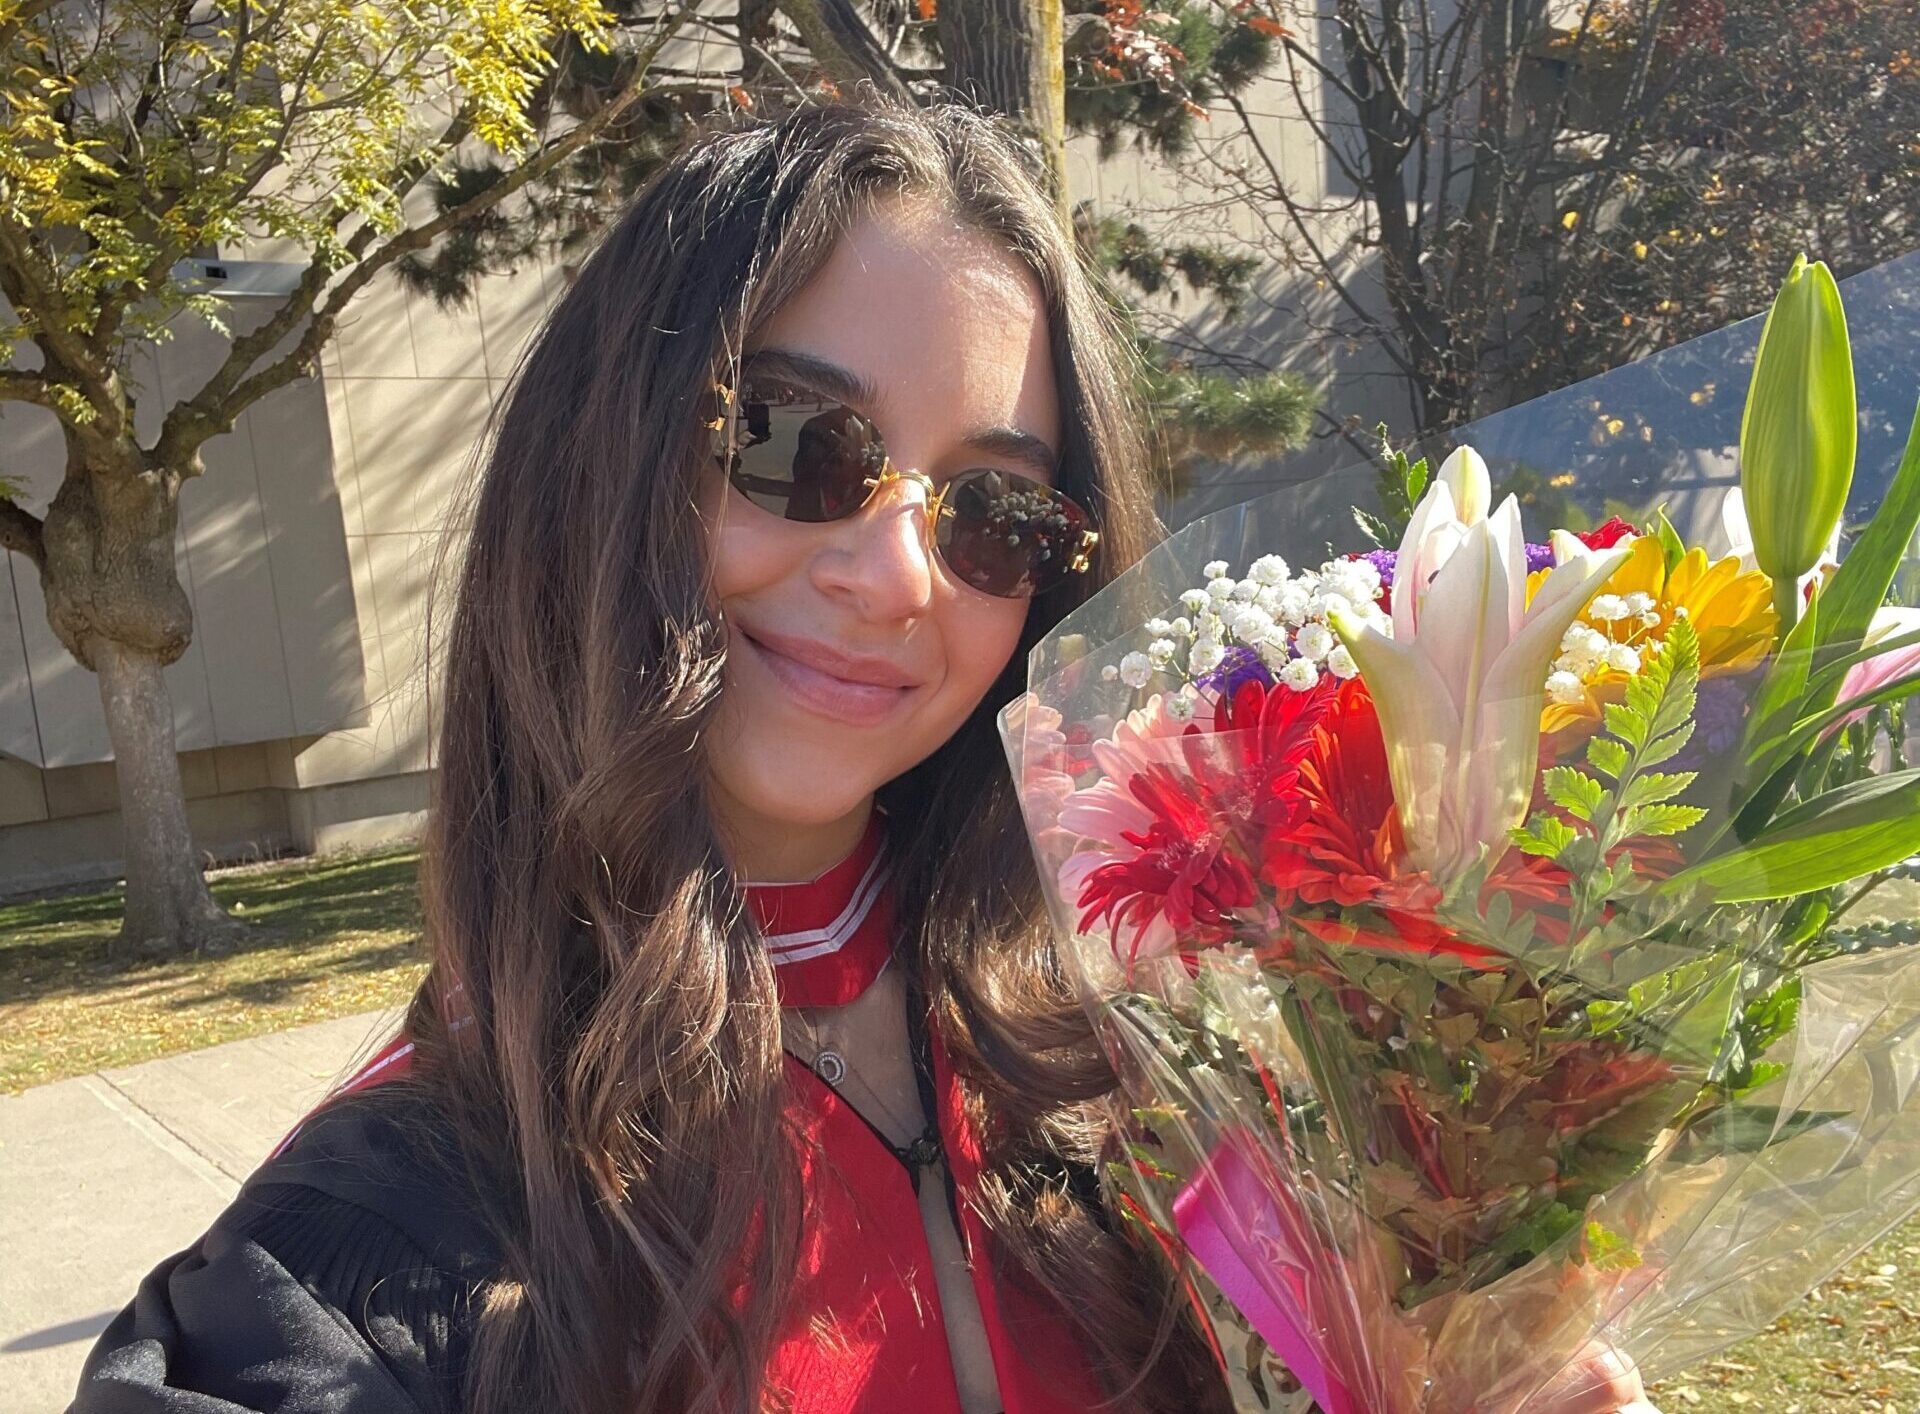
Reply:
x=600, y=1023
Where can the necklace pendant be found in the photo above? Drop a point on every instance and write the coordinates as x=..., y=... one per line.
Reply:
x=830, y=1066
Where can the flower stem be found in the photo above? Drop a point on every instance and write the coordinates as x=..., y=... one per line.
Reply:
x=1786, y=604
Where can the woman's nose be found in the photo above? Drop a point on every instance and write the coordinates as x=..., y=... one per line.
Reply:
x=885, y=554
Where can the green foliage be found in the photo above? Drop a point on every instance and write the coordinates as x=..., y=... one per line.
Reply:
x=1160, y=70
x=1606, y=1249
x=1842, y=834
x=1399, y=487
x=1126, y=249
x=129, y=140
x=1217, y=414
x=1197, y=412
x=1647, y=729
x=1672, y=548
x=1865, y=576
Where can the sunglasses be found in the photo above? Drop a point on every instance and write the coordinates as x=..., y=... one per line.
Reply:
x=808, y=458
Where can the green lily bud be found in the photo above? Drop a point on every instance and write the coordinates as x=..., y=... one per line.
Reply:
x=1798, y=432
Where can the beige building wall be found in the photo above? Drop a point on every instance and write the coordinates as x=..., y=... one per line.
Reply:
x=301, y=706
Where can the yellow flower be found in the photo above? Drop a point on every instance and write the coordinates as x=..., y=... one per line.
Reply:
x=1731, y=610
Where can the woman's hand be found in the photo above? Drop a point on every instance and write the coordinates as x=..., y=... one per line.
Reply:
x=1602, y=1381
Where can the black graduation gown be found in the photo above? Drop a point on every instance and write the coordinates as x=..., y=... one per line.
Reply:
x=337, y=1282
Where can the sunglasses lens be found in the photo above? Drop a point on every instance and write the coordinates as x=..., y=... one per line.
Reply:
x=1009, y=535
x=800, y=455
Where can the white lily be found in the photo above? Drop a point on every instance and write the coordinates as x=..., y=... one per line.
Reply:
x=1464, y=473
x=1460, y=683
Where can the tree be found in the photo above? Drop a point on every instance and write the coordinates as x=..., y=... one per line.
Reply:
x=1528, y=192
x=135, y=134
x=1783, y=129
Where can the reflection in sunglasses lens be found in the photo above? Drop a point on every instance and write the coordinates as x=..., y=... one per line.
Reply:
x=1009, y=535
x=808, y=458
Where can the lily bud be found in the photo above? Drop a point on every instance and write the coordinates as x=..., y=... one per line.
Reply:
x=1465, y=474
x=1798, y=432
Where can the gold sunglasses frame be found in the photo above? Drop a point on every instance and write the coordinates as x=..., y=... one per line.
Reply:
x=936, y=496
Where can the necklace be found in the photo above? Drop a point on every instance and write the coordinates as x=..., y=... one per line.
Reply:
x=828, y=1061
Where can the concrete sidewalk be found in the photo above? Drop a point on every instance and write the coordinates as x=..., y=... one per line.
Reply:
x=103, y=1176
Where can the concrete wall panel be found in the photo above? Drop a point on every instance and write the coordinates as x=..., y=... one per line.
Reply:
x=19, y=726
x=235, y=623
x=314, y=595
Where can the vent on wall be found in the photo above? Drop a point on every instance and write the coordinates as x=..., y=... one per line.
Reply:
x=239, y=279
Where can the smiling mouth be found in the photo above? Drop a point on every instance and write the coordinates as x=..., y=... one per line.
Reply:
x=824, y=695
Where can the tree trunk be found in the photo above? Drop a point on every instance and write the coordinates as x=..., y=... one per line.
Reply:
x=117, y=605
x=168, y=908
x=1005, y=56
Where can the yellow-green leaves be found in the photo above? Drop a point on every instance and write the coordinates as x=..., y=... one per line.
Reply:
x=1798, y=431
x=288, y=123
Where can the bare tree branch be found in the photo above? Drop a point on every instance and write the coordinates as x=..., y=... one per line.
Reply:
x=1303, y=231
x=233, y=388
x=25, y=388
x=21, y=532
x=29, y=282
x=839, y=38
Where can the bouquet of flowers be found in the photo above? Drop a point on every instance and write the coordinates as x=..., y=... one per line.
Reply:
x=1458, y=917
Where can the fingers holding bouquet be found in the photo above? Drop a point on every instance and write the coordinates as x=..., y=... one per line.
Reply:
x=1602, y=1381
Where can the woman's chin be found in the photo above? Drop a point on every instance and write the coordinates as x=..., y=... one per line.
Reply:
x=800, y=793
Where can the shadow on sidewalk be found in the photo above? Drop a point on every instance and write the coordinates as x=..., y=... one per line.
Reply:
x=86, y=1328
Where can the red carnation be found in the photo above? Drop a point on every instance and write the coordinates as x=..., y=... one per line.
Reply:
x=1607, y=536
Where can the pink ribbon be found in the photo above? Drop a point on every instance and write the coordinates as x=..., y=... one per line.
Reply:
x=1252, y=1239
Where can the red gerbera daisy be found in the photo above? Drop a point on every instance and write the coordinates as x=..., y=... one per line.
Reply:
x=1185, y=871
x=1340, y=843
x=1249, y=765
x=1343, y=848
x=1176, y=877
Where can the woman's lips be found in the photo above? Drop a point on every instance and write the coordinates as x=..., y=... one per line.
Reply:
x=849, y=703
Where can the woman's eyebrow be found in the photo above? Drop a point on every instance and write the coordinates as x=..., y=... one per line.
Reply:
x=1015, y=446
x=841, y=384
x=844, y=385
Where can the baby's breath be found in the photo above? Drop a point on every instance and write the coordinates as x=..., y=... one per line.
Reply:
x=1281, y=617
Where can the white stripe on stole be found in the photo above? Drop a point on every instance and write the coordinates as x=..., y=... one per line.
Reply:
x=818, y=942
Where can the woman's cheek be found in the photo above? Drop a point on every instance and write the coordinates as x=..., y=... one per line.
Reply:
x=984, y=646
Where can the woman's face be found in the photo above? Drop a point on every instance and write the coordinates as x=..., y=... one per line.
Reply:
x=948, y=330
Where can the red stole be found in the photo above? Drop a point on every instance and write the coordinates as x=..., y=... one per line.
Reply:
x=865, y=1334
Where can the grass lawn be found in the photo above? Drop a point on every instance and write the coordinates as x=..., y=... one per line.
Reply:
x=1852, y=1346
x=338, y=936
x=328, y=938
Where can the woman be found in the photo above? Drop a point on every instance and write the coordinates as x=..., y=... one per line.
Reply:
x=743, y=1077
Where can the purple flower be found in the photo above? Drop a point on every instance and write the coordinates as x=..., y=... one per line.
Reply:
x=1239, y=664
x=1539, y=557
x=1381, y=560
x=1720, y=713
